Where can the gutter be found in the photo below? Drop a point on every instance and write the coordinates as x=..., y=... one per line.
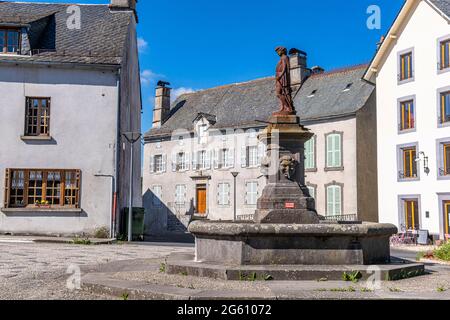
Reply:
x=62, y=64
x=390, y=37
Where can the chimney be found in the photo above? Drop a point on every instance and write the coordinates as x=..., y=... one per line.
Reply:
x=124, y=5
x=162, y=104
x=317, y=70
x=299, y=69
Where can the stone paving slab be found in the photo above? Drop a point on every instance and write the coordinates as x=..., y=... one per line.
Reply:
x=104, y=283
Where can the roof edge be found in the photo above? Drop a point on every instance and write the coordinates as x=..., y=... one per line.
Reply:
x=392, y=36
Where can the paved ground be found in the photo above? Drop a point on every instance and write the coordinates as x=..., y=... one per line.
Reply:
x=38, y=271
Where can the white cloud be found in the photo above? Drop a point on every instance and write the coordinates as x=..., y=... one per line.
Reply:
x=142, y=44
x=148, y=77
x=179, y=91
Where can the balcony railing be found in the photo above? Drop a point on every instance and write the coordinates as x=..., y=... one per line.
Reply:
x=342, y=217
x=444, y=172
x=244, y=217
x=402, y=175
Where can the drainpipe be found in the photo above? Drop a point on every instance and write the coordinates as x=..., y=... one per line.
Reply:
x=116, y=219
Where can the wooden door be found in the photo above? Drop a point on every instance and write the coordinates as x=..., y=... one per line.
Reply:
x=201, y=200
x=447, y=217
x=412, y=215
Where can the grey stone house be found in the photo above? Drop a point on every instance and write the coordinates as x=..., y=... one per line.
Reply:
x=203, y=139
x=69, y=88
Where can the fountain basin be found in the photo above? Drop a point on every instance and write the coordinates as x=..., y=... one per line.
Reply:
x=292, y=244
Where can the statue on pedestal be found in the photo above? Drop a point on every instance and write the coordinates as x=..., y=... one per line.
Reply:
x=283, y=84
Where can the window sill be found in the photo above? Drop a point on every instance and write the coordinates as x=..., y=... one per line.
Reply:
x=444, y=124
x=34, y=209
x=408, y=179
x=400, y=82
x=441, y=71
x=333, y=169
x=405, y=131
x=36, y=138
x=311, y=170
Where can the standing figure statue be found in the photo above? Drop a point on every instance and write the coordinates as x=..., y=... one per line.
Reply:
x=283, y=84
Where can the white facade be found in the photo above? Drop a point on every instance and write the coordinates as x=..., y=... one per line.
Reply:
x=419, y=30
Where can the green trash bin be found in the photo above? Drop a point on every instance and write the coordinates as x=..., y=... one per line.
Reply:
x=137, y=224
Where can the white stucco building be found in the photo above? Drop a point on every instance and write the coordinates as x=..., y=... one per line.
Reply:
x=412, y=74
x=202, y=138
x=67, y=95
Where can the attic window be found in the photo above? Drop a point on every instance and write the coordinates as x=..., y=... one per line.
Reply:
x=313, y=93
x=347, y=88
x=9, y=41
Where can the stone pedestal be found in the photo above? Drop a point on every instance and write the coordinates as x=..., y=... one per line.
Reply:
x=285, y=199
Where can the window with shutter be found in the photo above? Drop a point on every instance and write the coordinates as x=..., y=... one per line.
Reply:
x=223, y=194
x=445, y=107
x=334, y=150
x=230, y=158
x=312, y=192
x=334, y=200
x=159, y=163
x=244, y=157
x=157, y=196
x=252, y=152
x=251, y=195
x=309, y=154
x=406, y=66
x=444, y=62
x=180, y=194
x=152, y=164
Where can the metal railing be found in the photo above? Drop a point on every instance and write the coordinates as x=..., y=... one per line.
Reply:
x=244, y=217
x=342, y=217
x=402, y=175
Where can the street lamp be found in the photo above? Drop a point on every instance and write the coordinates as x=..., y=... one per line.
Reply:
x=132, y=138
x=235, y=174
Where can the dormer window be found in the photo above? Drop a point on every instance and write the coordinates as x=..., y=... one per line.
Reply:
x=312, y=94
x=9, y=41
x=347, y=87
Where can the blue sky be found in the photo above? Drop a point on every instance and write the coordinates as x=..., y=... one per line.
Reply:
x=198, y=44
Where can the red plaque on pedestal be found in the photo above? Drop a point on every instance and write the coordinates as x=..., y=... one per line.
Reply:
x=289, y=205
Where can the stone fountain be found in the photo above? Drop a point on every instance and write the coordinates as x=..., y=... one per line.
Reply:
x=288, y=240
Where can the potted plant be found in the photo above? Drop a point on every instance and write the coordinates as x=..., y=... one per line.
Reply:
x=42, y=204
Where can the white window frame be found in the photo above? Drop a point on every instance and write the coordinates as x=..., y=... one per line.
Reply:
x=252, y=159
x=159, y=167
x=251, y=193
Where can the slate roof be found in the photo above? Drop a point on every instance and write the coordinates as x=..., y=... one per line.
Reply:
x=243, y=104
x=443, y=5
x=100, y=40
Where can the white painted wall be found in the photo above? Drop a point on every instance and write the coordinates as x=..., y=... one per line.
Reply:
x=83, y=125
x=422, y=32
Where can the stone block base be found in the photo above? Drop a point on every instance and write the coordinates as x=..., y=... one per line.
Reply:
x=185, y=264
